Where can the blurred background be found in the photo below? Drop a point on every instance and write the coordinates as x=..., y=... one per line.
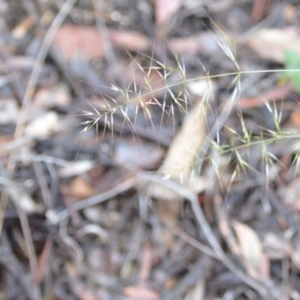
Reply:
x=149, y=149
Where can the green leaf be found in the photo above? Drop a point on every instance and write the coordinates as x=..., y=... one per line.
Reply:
x=292, y=62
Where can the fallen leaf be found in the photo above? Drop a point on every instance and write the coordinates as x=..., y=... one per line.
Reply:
x=270, y=44
x=179, y=161
x=43, y=126
x=249, y=242
x=129, y=39
x=164, y=9
x=251, y=250
x=73, y=41
x=81, y=189
x=138, y=293
x=185, y=146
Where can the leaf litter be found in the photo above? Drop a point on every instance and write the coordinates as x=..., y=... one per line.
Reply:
x=117, y=111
